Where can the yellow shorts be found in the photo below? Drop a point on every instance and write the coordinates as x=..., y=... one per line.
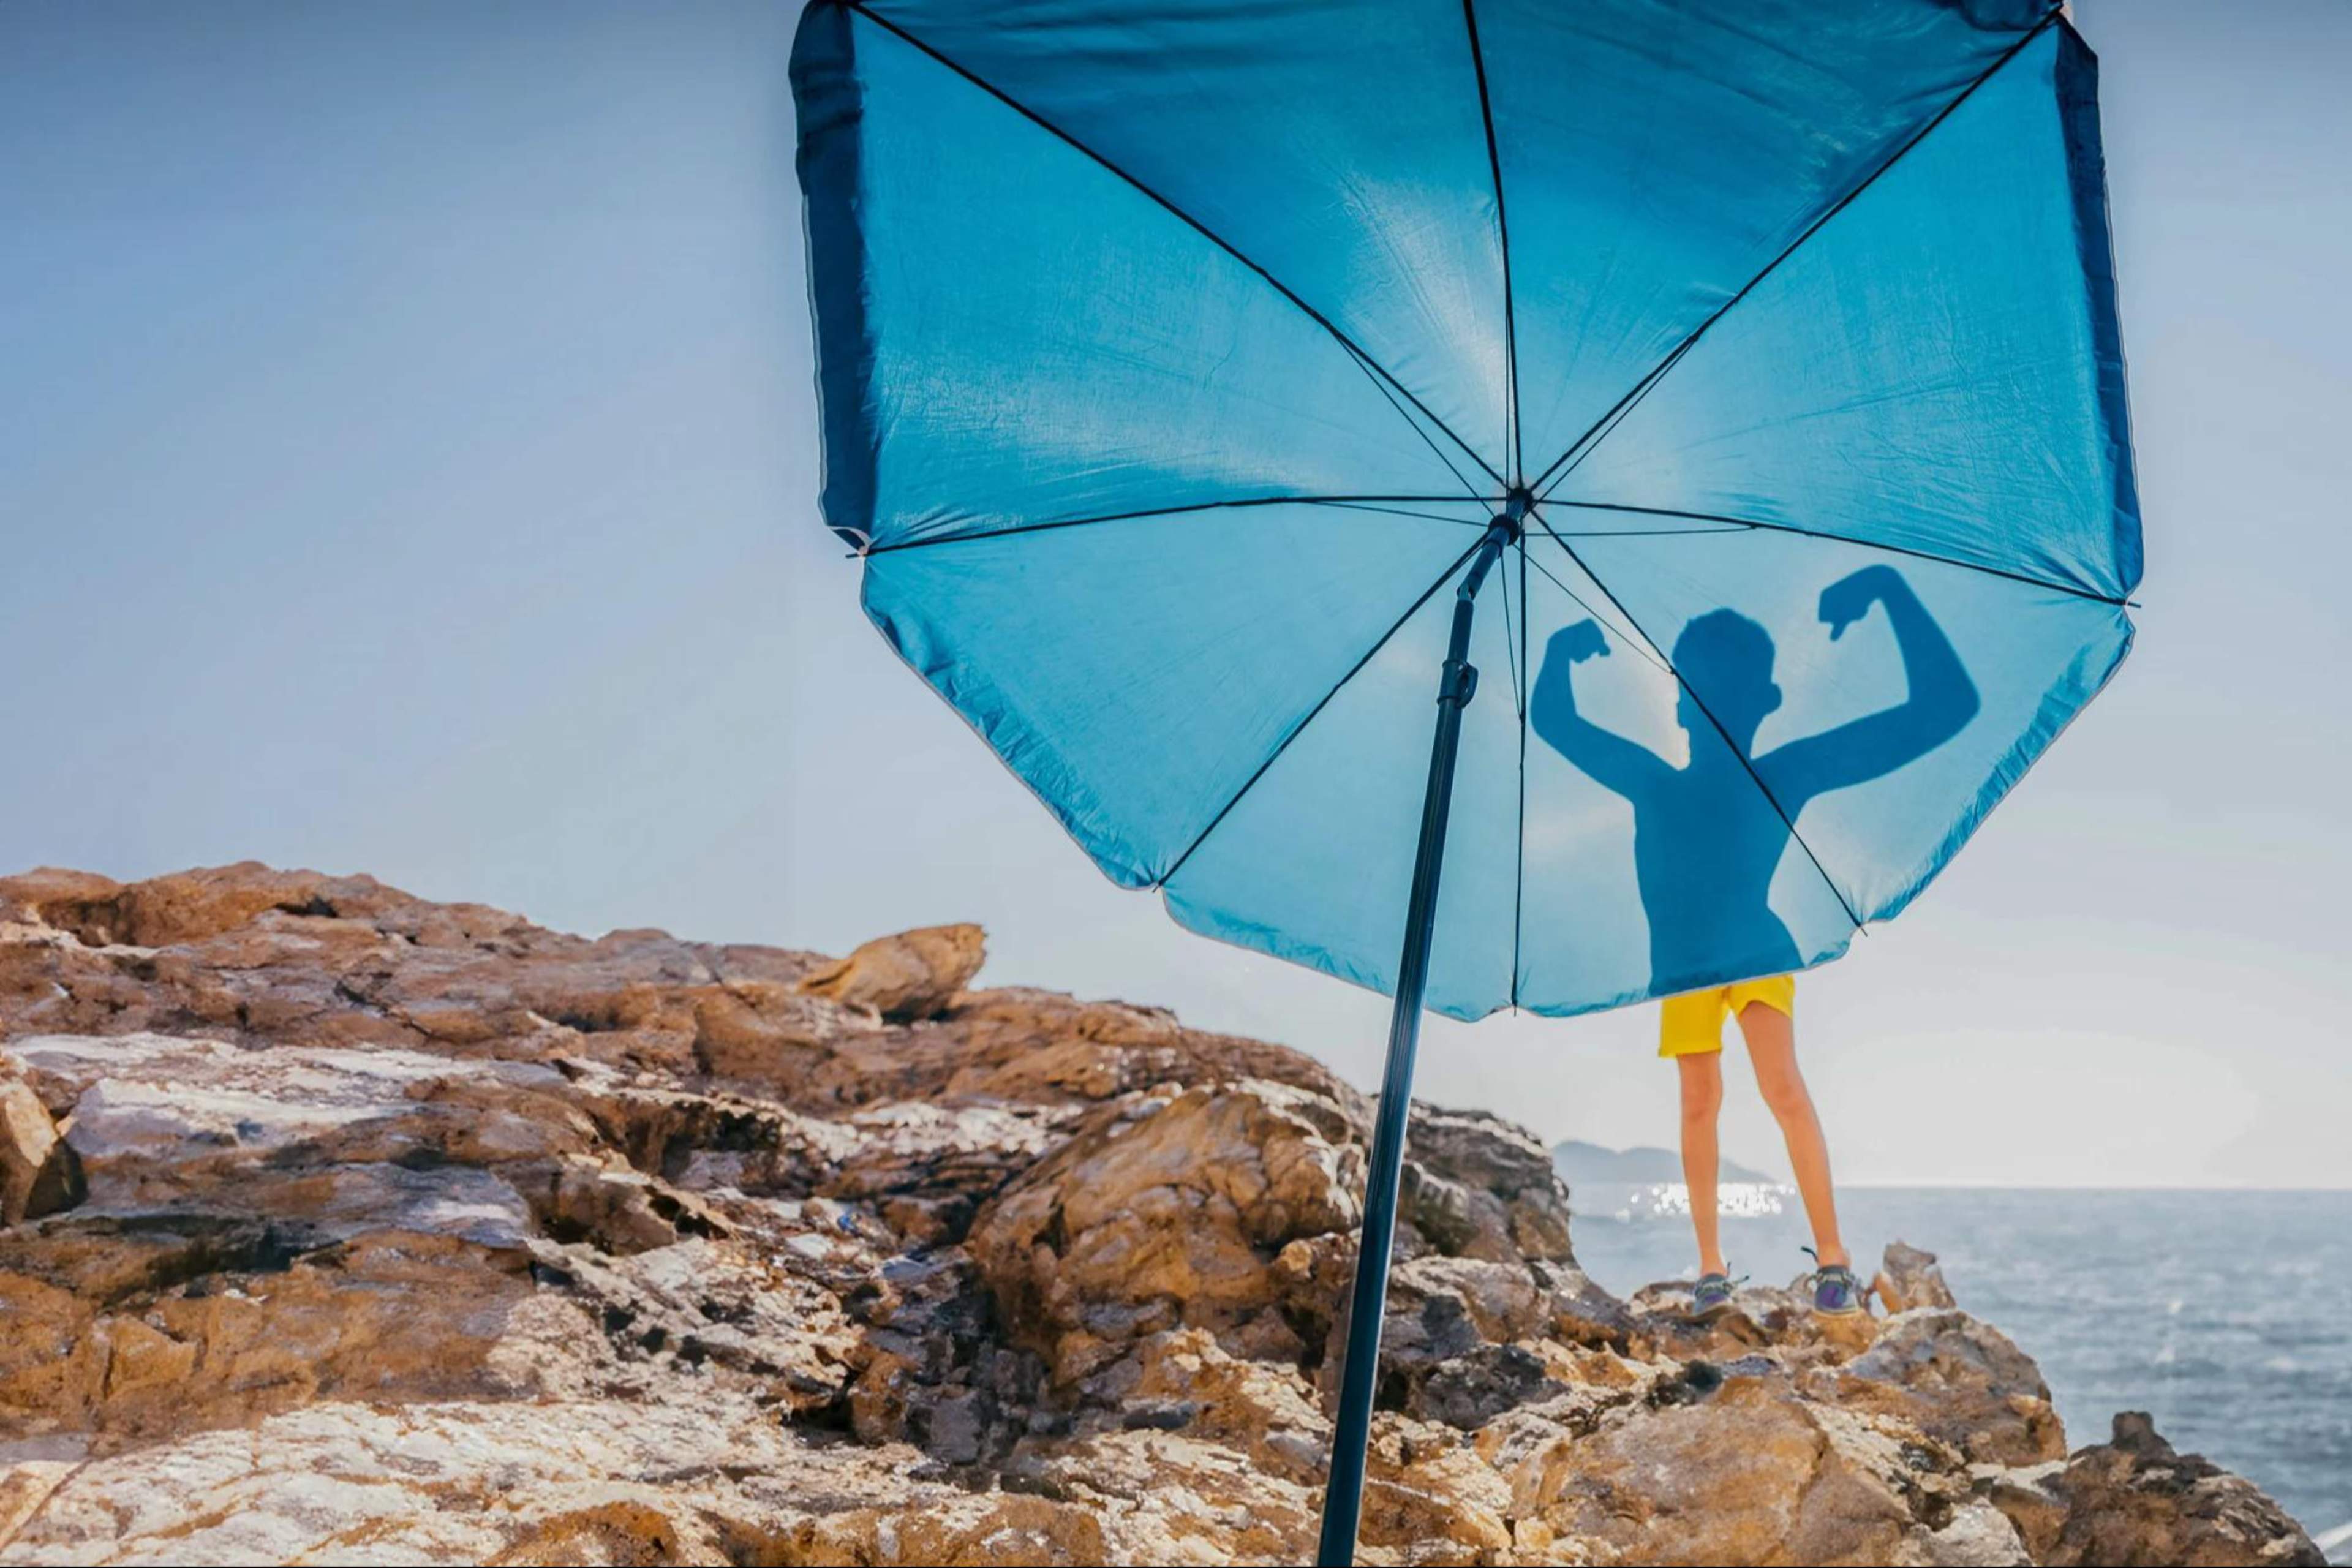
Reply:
x=1691, y=1025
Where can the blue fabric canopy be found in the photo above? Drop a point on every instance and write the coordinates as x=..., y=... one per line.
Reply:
x=1174, y=356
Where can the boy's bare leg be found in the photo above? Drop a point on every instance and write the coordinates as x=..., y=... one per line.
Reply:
x=1772, y=1047
x=1701, y=1098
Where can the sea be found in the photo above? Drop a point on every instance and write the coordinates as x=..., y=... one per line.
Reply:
x=2226, y=1315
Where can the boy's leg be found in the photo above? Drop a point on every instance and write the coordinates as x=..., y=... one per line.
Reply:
x=1772, y=1047
x=1702, y=1084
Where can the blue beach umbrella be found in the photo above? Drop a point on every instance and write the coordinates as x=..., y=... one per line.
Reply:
x=1666, y=461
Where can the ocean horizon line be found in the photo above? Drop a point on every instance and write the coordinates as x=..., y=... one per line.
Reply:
x=1956, y=1184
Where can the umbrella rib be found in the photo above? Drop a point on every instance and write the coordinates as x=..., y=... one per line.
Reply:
x=1432, y=516
x=1502, y=240
x=1738, y=524
x=1700, y=703
x=1428, y=440
x=1635, y=642
x=1606, y=427
x=1647, y=533
x=1201, y=228
x=1640, y=389
x=1511, y=646
x=1312, y=714
x=1353, y=502
x=1519, y=878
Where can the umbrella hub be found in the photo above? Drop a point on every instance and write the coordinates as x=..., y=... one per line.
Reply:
x=1516, y=503
x=1459, y=680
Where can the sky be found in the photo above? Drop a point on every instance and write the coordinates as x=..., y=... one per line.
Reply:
x=407, y=464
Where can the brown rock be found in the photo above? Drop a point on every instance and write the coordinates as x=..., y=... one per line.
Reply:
x=1018, y=1043
x=1731, y=1479
x=2030, y=1498
x=914, y=975
x=1459, y=1345
x=1581, y=1312
x=1959, y=1381
x=1168, y=1215
x=39, y=1173
x=1909, y=1278
x=568, y=1481
x=1184, y=1380
x=2134, y=1501
x=251, y=955
x=1978, y=1535
x=131, y=1335
x=1428, y=1498
x=417, y=1232
x=1477, y=1186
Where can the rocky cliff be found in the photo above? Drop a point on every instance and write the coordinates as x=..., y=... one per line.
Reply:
x=342, y=1225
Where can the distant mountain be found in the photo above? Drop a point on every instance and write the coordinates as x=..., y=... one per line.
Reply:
x=1580, y=1162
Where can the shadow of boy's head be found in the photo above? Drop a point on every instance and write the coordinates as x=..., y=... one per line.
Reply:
x=1727, y=660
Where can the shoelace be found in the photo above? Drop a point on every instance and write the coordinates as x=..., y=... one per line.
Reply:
x=1730, y=1285
x=1838, y=1271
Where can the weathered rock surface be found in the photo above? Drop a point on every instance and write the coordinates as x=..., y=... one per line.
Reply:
x=342, y=1225
x=1910, y=1278
x=2133, y=1500
x=915, y=974
x=39, y=1173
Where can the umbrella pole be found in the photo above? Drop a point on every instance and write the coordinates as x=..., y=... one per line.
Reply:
x=1343, y=1494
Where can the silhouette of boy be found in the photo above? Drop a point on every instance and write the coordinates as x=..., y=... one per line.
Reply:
x=1706, y=840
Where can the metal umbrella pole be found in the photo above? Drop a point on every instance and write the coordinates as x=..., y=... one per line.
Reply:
x=1343, y=1496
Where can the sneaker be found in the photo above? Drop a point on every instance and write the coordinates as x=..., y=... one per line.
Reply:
x=1710, y=1298
x=1836, y=1292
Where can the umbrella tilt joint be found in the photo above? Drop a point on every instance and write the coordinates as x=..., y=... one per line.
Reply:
x=1459, y=682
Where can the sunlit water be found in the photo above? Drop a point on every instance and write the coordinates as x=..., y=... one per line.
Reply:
x=2228, y=1316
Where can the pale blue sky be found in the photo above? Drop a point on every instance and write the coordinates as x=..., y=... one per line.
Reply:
x=407, y=464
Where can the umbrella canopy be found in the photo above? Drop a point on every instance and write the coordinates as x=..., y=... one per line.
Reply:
x=1189, y=371
x=1174, y=357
